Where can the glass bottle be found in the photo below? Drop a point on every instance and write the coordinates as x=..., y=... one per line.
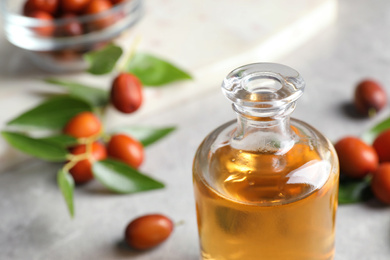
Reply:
x=265, y=185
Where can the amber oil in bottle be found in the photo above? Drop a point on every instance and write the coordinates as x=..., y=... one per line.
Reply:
x=265, y=185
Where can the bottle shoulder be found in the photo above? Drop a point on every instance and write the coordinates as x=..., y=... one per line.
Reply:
x=302, y=134
x=265, y=175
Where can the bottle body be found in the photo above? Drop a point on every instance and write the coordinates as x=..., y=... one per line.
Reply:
x=256, y=203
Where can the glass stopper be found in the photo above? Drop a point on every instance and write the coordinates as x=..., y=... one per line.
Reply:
x=263, y=89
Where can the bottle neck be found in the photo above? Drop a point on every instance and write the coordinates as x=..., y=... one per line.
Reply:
x=263, y=96
x=263, y=134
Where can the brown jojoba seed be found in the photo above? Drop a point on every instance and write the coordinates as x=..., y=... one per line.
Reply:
x=148, y=231
x=370, y=97
x=126, y=93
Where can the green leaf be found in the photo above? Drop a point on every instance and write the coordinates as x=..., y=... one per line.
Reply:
x=95, y=96
x=66, y=184
x=370, y=135
x=103, y=61
x=353, y=191
x=121, y=178
x=146, y=135
x=153, y=71
x=61, y=140
x=53, y=113
x=38, y=148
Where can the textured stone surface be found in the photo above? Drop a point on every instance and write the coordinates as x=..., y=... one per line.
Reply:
x=33, y=220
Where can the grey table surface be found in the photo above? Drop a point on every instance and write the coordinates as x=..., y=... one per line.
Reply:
x=34, y=225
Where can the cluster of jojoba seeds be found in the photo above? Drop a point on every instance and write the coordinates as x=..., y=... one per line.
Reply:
x=358, y=159
x=87, y=128
x=50, y=10
x=126, y=96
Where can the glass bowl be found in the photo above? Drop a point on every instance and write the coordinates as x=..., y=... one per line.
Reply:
x=50, y=44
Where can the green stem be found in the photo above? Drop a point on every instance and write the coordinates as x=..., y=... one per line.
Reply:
x=371, y=112
x=106, y=137
x=129, y=56
x=74, y=159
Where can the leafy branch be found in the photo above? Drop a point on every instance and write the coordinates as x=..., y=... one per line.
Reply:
x=53, y=114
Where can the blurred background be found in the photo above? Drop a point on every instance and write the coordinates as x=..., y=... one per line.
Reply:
x=333, y=44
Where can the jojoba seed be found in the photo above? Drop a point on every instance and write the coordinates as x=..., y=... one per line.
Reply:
x=126, y=149
x=66, y=55
x=73, y=27
x=126, y=93
x=369, y=97
x=148, y=231
x=82, y=171
x=28, y=8
x=43, y=30
x=48, y=6
x=115, y=2
x=96, y=7
x=382, y=146
x=74, y=6
x=357, y=159
x=84, y=124
x=380, y=184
